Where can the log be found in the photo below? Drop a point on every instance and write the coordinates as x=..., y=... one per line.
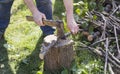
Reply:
x=60, y=55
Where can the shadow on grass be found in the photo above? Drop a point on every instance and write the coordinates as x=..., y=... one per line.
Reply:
x=4, y=60
x=31, y=64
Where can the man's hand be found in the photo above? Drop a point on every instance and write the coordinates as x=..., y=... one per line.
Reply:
x=73, y=26
x=38, y=17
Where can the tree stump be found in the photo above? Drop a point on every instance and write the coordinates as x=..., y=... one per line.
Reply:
x=59, y=55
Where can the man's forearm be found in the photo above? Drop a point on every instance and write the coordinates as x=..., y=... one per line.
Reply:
x=37, y=15
x=31, y=6
x=69, y=8
x=72, y=25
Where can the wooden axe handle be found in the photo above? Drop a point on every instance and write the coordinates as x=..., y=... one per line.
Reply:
x=29, y=18
x=46, y=22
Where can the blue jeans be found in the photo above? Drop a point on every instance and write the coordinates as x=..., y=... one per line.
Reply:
x=45, y=6
x=5, y=15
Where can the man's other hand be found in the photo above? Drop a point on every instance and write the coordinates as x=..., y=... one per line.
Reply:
x=38, y=17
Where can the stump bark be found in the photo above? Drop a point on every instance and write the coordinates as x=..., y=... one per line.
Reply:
x=60, y=55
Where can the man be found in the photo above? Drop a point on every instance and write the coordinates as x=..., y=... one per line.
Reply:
x=44, y=11
x=44, y=6
x=5, y=6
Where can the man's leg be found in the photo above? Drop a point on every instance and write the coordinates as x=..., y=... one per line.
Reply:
x=45, y=6
x=4, y=16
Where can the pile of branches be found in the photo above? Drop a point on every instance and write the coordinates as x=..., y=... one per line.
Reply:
x=105, y=39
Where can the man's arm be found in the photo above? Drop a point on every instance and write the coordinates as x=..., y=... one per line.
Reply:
x=72, y=25
x=37, y=15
